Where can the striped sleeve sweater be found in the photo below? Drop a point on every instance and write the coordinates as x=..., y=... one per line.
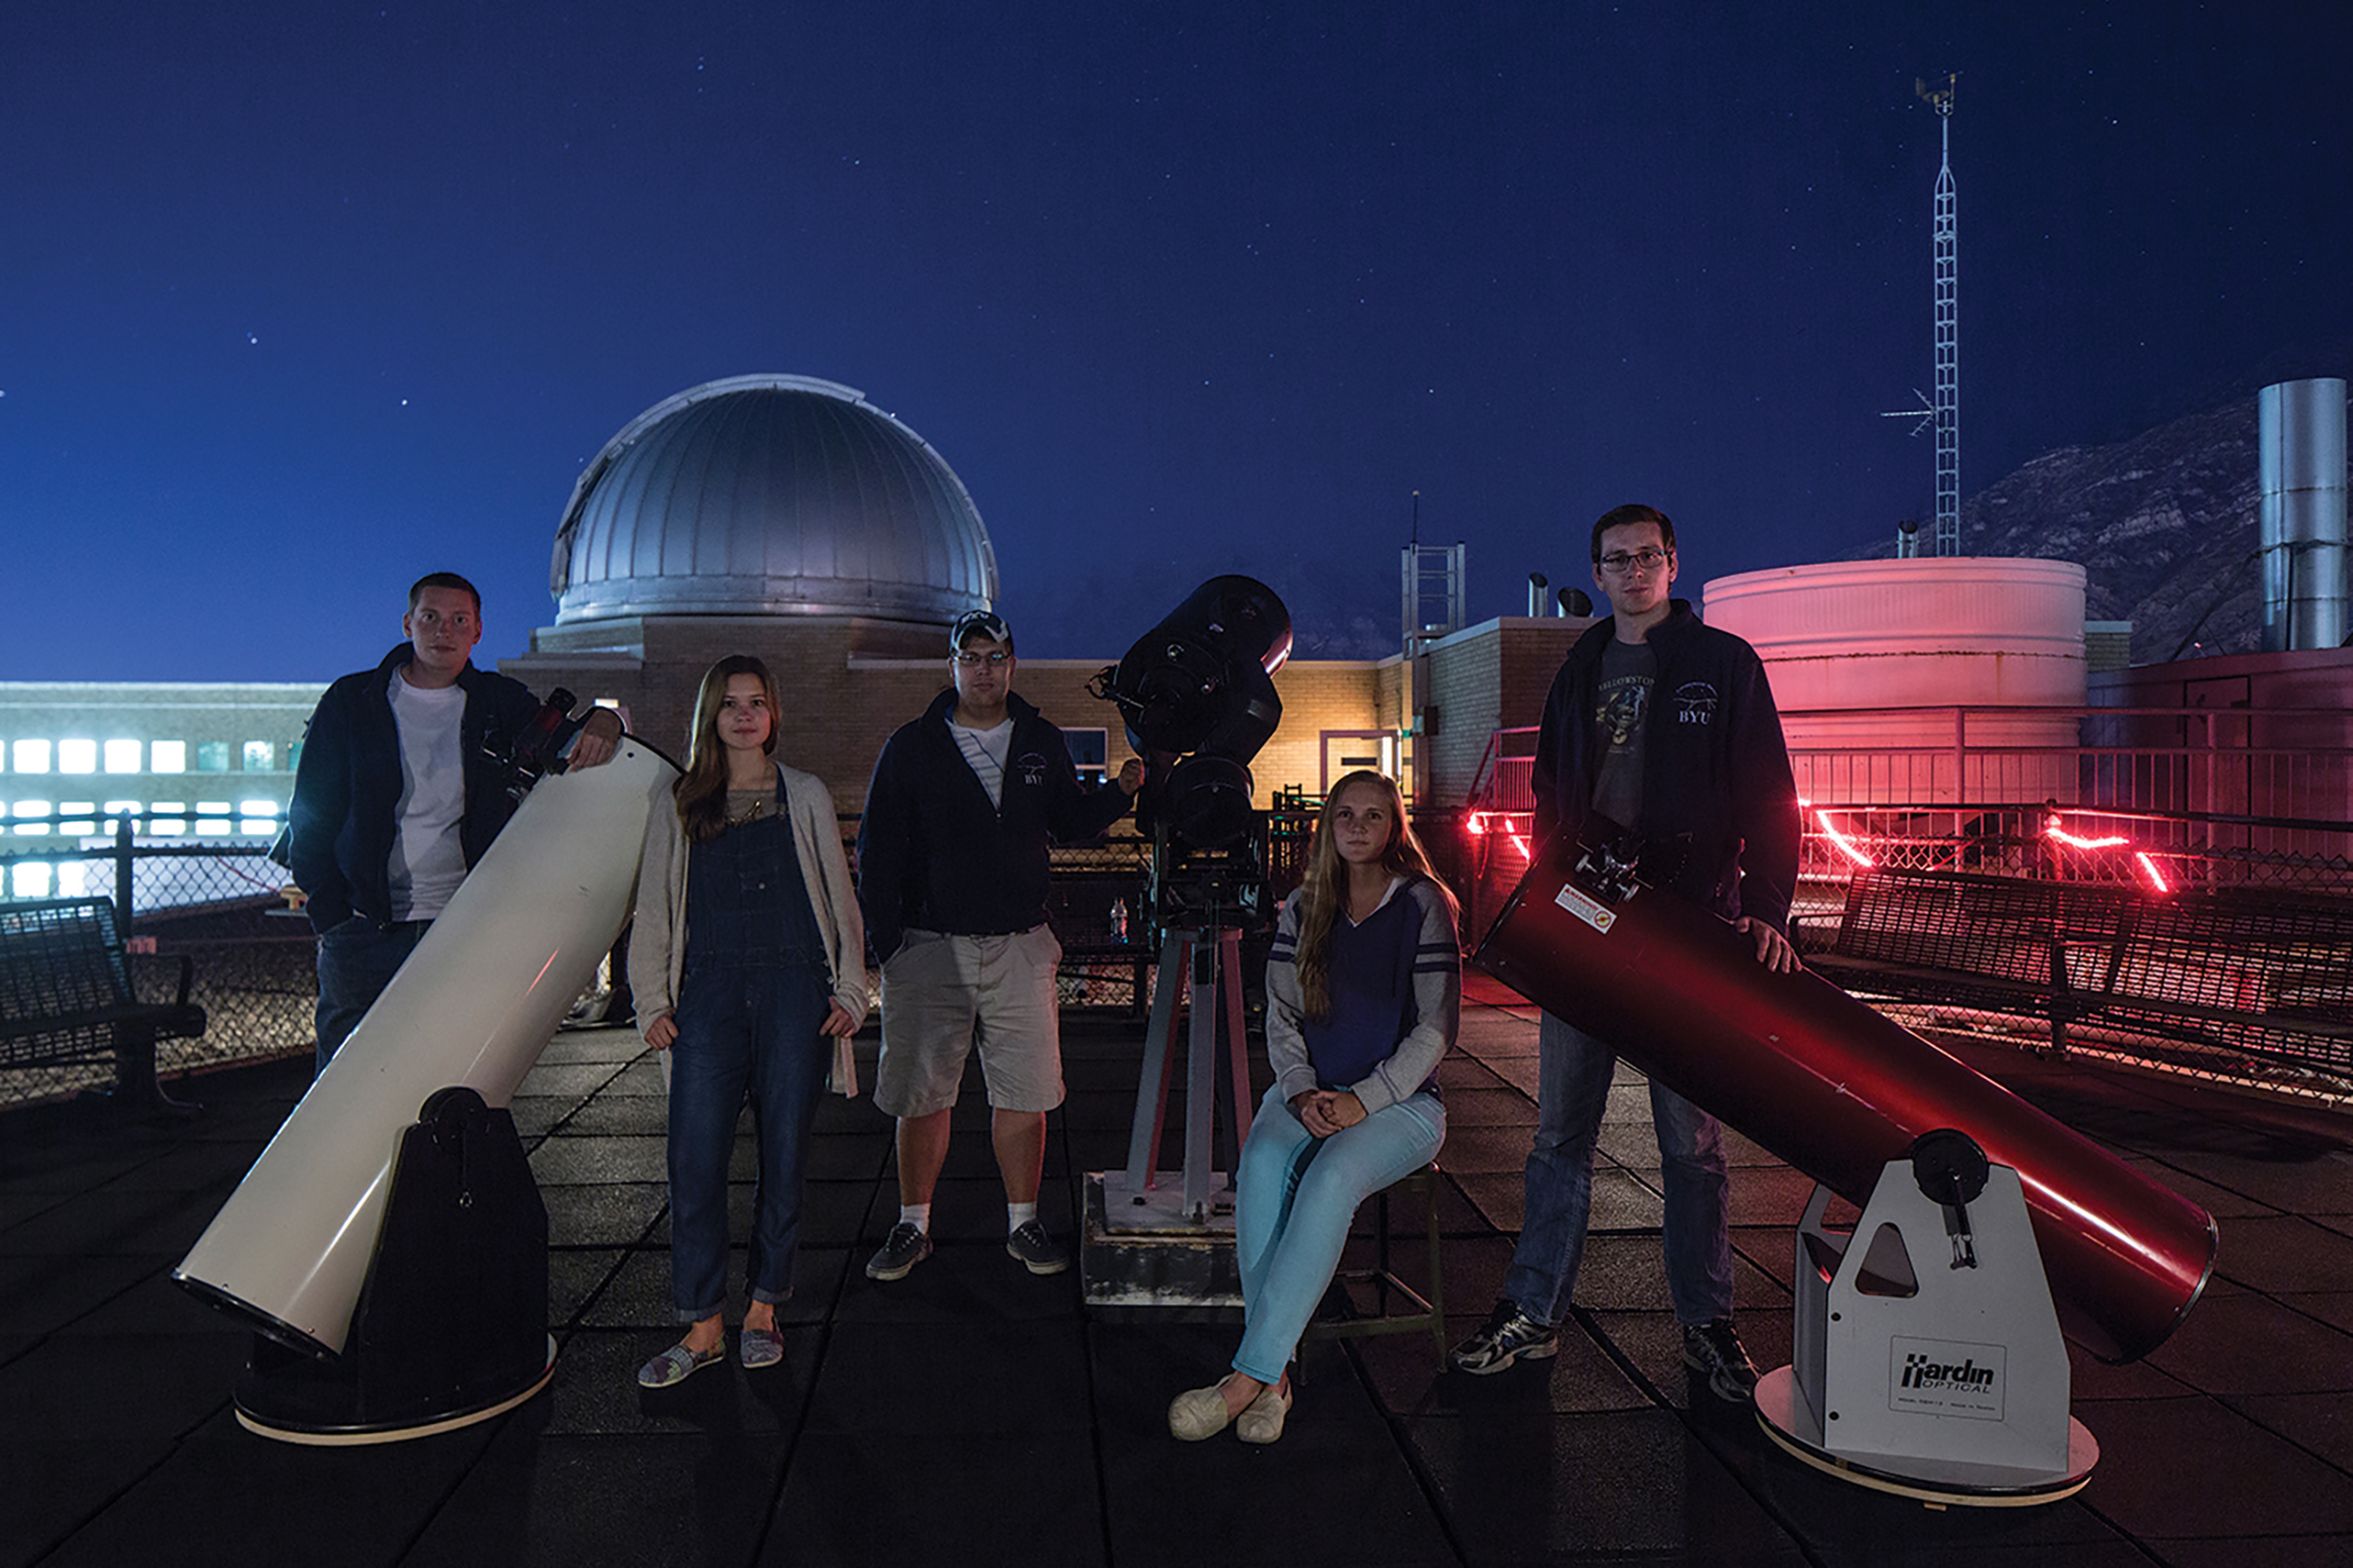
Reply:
x=1396, y=982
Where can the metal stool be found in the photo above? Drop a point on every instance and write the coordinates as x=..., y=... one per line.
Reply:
x=1388, y=1287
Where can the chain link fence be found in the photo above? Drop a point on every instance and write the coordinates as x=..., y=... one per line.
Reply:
x=217, y=901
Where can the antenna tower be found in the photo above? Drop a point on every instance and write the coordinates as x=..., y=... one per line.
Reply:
x=1942, y=412
x=1947, y=406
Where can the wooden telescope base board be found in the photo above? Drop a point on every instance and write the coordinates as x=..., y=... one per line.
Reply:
x=1936, y=1485
x=326, y=1436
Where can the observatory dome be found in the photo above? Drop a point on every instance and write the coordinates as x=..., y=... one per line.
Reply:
x=770, y=496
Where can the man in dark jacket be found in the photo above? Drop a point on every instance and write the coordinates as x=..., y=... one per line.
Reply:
x=952, y=878
x=396, y=797
x=1666, y=728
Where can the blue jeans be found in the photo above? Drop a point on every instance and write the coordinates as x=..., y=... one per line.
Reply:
x=356, y=960
x=1298, y=1193
x=742, y=1029
x=1573, y=1090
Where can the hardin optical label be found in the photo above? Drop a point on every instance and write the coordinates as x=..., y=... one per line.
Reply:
x=1947, y=1377
x=1594, y=913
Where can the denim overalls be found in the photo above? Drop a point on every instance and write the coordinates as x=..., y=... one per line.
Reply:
x=755, y=988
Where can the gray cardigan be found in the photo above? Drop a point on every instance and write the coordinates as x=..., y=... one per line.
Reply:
x=658, y=943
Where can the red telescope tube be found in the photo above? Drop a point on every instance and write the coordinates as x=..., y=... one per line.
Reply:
x=1837, y=1090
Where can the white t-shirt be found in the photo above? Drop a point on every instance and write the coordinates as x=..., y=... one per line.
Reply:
x=428, y=855
x=986, y=749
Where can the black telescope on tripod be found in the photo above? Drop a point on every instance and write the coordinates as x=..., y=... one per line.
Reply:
x=1197, y=694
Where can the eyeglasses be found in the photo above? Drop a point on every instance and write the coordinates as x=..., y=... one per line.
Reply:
x=1618, y=562
x=974, y=661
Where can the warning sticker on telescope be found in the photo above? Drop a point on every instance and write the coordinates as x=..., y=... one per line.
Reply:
x=1945, y=1377
x=1598, y=916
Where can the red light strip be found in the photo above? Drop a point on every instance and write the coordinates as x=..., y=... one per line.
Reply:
x=2064, y=836
x=1845, y=845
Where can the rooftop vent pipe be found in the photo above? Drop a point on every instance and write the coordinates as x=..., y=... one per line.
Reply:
x=1536, y=585
x=2300, y=533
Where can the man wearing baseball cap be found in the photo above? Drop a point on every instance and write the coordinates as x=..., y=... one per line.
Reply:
x=952, y=877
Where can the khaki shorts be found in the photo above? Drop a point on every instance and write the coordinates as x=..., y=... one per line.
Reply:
x=941, y=992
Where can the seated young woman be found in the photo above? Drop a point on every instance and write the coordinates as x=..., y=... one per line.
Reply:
x=748, y=962
x=1364, y=992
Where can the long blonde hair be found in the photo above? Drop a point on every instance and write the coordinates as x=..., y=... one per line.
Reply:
x=1326, y=886
x=701, y=790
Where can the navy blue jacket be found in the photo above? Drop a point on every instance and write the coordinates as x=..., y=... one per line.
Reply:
x=934, y=854
x=1715, y=767
x=347, y=788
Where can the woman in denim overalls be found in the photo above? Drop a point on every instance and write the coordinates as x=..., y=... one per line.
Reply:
x=748, y=964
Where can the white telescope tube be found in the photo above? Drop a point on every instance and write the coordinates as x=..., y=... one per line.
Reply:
x=474, y=1004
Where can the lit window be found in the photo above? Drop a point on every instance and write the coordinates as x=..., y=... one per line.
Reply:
x=257, y=809
x=121, y=808
x=212, y=756
x=29, y=881
x=165, y=819
x=72, y=879
x=80, y=810
x=259, y=756
x=122, y=756
x=77, y=756
x=33, y=808
x=293, y=755
x=1089, y=749
x=168, y=757
x=31, y=756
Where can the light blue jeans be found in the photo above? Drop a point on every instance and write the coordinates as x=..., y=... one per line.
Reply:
x=1298, y=1193
x=1572, y=1091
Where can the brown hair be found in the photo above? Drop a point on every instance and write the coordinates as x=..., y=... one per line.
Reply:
x=1326, y=886
x=445, y=580
x=701, y=790
x=1631, y=516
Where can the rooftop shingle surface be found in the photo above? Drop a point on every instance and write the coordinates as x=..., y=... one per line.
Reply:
x=977, y=1414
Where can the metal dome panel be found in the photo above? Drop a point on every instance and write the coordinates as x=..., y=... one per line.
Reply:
x=770, y=496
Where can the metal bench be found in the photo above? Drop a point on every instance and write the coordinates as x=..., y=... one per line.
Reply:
x=2250, y=971
x=2260, y=973
x=2050, y=949
x=66, y=998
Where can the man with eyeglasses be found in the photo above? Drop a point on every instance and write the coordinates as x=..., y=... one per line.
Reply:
x=1659, y=726
x=952, y=878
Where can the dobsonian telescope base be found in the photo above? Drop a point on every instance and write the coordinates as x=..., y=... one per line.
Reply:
x=1157, y=1237
x=452, y=1325
x=1927, y=1360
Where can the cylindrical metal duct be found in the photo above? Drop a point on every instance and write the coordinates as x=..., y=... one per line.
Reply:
x=1536, y=585
x=2300, y=537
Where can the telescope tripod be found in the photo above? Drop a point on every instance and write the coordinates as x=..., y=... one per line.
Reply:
x=1206, y=966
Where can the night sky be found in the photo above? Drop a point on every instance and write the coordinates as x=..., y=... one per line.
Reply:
x=302, y=300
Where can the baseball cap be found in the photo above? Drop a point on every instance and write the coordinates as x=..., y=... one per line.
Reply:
x=979, y=623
